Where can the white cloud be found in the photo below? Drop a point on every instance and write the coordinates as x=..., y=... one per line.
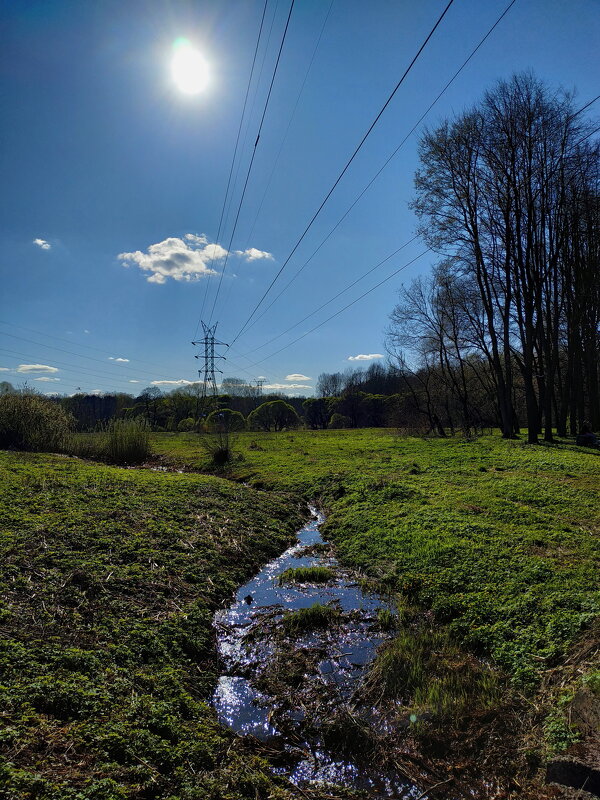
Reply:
x=121, y=360
x=181, y=382
x=133, y=381
x=5, y=369
x=85, y=330
x=280, y=386
x=175, y=258
x=35, y=368
x=262, y=378
x=42, y=244
x=365, y=357
x=46, y=379
x=252, y=254
x=296, y=376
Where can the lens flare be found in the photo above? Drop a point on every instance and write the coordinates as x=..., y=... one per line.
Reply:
x=188, y=68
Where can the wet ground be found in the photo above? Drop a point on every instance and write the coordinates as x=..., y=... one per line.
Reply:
x=300, y=691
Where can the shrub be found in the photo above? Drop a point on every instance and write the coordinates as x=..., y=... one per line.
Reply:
x=218, y=445
x=339, y=421
x=273, y=416
x=225, y=420
x=29, y=421
x=127, y=441
x=186, y=425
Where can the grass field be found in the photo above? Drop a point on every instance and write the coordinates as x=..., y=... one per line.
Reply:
x=110, y=576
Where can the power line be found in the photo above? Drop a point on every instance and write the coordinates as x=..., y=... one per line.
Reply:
x=67, y=367
x=289, y=125
x=335, y=297
x=69, y=352
x=76, y=344
x=387, y=161
x=344, y=170
x=262, y=119
x=341, y=310
x=235, y=150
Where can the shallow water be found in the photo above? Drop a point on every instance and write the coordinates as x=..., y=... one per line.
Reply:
x=346, y=649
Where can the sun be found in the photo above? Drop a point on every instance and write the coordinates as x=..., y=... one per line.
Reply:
x=188, y=68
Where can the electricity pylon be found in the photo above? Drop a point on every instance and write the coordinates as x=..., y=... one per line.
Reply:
x=207, y=373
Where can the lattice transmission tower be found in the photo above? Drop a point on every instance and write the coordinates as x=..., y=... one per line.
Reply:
x=207, y=373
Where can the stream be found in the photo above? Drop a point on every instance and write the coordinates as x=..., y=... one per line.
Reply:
x=289, y=690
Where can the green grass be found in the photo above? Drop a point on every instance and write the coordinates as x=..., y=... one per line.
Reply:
x=306, y=575
x=499, y=539
x=109, y=579
x=426, y=673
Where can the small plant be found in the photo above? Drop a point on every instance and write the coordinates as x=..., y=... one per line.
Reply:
x=308, y=619
x=306, y=575
x=559, y=734
x=218, y=446
x=386, y=620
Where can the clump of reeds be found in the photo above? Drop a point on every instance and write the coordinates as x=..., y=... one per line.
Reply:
x=127, y=441
x=306, y=575
x=308, y=619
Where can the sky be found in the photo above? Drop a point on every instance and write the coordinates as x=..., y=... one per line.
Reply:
x=113, y=179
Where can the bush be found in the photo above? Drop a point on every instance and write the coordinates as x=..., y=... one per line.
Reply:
x=225, y=420
x=127, y=441
x=274, y=415
x=339, y=421
x=29, y=421
x=186, y=425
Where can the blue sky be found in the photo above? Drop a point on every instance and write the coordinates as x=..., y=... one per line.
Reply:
x=102, y=156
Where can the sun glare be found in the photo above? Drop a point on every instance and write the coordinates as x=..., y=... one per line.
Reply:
x=188, y=68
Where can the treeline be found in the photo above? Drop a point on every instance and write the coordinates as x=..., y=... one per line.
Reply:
x=509, y=193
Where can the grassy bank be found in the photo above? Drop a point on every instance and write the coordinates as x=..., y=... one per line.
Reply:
x=109, y=578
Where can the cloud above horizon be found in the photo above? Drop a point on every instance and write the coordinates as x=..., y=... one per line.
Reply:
x=296, y=376
x=281, y=386
x=45, y=378
x=365, y=357
x=42, y=244
x=30, y=368
x=183, y=259
x=181, y=382
x=120, y=360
